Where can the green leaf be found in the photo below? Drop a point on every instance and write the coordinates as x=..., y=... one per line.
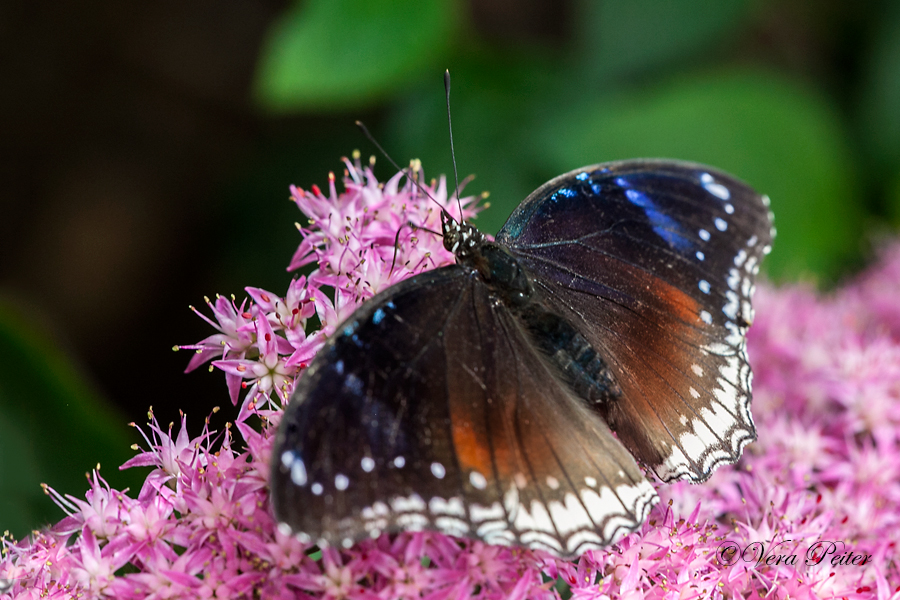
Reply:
x=784, y=140
x=53, y=427
x=623, y=37
x=334, y=54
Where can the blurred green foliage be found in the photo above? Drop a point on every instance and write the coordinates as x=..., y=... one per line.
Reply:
x=621, y=38
x=53, y=426
x=631, y=78
x=880, y=107
x=309, y=62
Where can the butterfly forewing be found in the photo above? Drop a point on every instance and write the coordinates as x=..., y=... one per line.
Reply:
x=434, y=411
x=655, y=261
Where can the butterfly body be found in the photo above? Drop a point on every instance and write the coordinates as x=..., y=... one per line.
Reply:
x=479, y=399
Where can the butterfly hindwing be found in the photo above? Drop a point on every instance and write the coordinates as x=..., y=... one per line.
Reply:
x=433, y=410
x=655, y=262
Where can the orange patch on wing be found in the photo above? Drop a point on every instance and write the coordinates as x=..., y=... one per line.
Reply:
x=486, y=445
x=471, y=452
x=677, y=302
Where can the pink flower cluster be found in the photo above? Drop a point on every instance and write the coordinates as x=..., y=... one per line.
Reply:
x=362, y=241
x=811, y=511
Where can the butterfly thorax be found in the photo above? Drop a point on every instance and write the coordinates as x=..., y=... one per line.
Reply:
x=577, y=361
x=497, y=267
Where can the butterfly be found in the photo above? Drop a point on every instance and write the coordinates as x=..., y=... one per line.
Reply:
x=511, y=397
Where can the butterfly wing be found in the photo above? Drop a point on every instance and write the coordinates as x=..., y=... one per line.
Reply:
x=431, y=409
x=655, y=261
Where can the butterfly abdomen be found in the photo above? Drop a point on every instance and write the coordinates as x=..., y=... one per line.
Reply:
x=580, y=365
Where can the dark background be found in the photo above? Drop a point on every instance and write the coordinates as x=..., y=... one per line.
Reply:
x=147, y=149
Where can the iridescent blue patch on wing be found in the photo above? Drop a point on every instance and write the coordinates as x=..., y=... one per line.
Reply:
x=378, y=316
x=665, y=226
x=581, y=176
x=519, y=219
x=354, y=384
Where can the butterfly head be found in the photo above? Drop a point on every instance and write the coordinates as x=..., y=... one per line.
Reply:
x=460, y=238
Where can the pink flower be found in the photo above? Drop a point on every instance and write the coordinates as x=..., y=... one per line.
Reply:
x=821, y=485
x=232, y=339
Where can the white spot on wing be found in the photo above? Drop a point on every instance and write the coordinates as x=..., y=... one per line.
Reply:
x=537, y=519
x=716, y=189
x=570, y=516
x=412, y=521
x=441, y=506
x=731, y=308
x=411, y=503
x=718, y=418
x=511, y=502
x=675, y=466
x=692, y=444
x=480, y=514
x=583, y=540
x=452, y=526
x=298, y=472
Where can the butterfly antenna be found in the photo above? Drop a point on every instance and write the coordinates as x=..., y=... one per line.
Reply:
x=452, y=151
x=396, y=247
x=415, y=228
x=412, y=178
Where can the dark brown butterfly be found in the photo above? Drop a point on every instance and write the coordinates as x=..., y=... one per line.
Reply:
x=479, y=399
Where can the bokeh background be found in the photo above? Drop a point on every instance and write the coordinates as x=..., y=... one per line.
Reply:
x=147, y=149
